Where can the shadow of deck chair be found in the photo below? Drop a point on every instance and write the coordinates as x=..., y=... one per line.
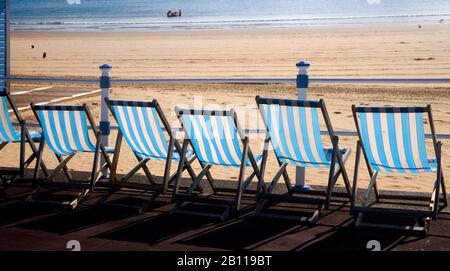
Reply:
x=217, y=140
x=10, y=135
x=293, y=129
x=65, y=130
x=144, y=127
x=392, y=140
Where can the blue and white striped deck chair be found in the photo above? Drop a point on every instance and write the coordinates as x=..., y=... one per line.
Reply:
x=65, y=130
x=149, y=135
x=293, y=129
x=8, y=134
x=217, y=140
x=393, y=140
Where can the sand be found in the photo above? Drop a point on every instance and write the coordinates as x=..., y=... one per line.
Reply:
x=349, y=52
x=376, y=51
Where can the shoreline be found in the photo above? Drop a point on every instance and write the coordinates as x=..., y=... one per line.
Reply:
x=349, y=26
x=190, y=24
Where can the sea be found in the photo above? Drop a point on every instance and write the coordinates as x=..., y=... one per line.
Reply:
x=150, y=15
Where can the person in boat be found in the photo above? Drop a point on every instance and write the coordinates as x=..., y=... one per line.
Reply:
x=174, y=14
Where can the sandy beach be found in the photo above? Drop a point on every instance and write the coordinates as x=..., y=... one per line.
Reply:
x=374, y=51
x=345, y=52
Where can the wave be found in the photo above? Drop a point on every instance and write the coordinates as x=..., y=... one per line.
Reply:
x=203, y=23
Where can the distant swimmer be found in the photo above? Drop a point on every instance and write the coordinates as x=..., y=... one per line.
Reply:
x=44, y=55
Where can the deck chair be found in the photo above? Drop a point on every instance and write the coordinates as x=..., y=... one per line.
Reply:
x=149, y=135
x=66, y=131
x=392, y=140
x=217, y=140
x=10, y=135
x=293, y=129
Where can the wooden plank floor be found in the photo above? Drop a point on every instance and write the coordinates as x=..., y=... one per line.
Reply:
x=105, y=227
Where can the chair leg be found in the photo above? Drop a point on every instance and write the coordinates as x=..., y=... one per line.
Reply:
x=241, y=174
x=444, y=191
x=209, y=177
x=345, y=174
x=200, y=176
x=331, y=174
x=134, y=170
x=189, y=168
x=115, y=161
x=167, y=167
x=262, y=202
x=62, y=166
x=436, y=196
x=355, y=175
x=74, y=203
x=146, y=170
x=180, y=169
x=40, y=153
x=65, y=168
x=370, y=188
x=95, y=162
x=22, y=151
x=442, y=180
x=35, y=152
x=286, y=178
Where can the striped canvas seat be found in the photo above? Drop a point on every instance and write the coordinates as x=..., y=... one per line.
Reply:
x=7, y=131
x=217, y=140
x=293, y=129
x=394, y=139
x=143, y=131
x=65, y=129
x=214, y=137
x=295, y=134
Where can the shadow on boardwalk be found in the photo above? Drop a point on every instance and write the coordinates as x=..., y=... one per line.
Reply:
x=104, y=227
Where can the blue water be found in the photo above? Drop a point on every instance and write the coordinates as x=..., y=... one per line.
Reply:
x=101, y=15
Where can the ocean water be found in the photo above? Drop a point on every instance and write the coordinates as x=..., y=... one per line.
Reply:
x=145, y=15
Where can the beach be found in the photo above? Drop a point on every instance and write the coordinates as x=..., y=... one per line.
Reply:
x=221, y=55
x=347, y=51
x=372, y=52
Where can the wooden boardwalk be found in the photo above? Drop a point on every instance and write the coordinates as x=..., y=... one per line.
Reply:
x=105, y=227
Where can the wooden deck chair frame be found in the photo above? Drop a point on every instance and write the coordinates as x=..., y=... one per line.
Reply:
x=9, y=175
x=322, y=199
x=233, y=205
x=83, y=186
x=433, y=201
x=154, y=189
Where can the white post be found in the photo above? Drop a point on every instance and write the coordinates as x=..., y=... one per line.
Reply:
x=302, y=94
x=105, y=85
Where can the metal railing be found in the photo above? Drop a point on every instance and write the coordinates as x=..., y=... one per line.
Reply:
x=236, y=80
